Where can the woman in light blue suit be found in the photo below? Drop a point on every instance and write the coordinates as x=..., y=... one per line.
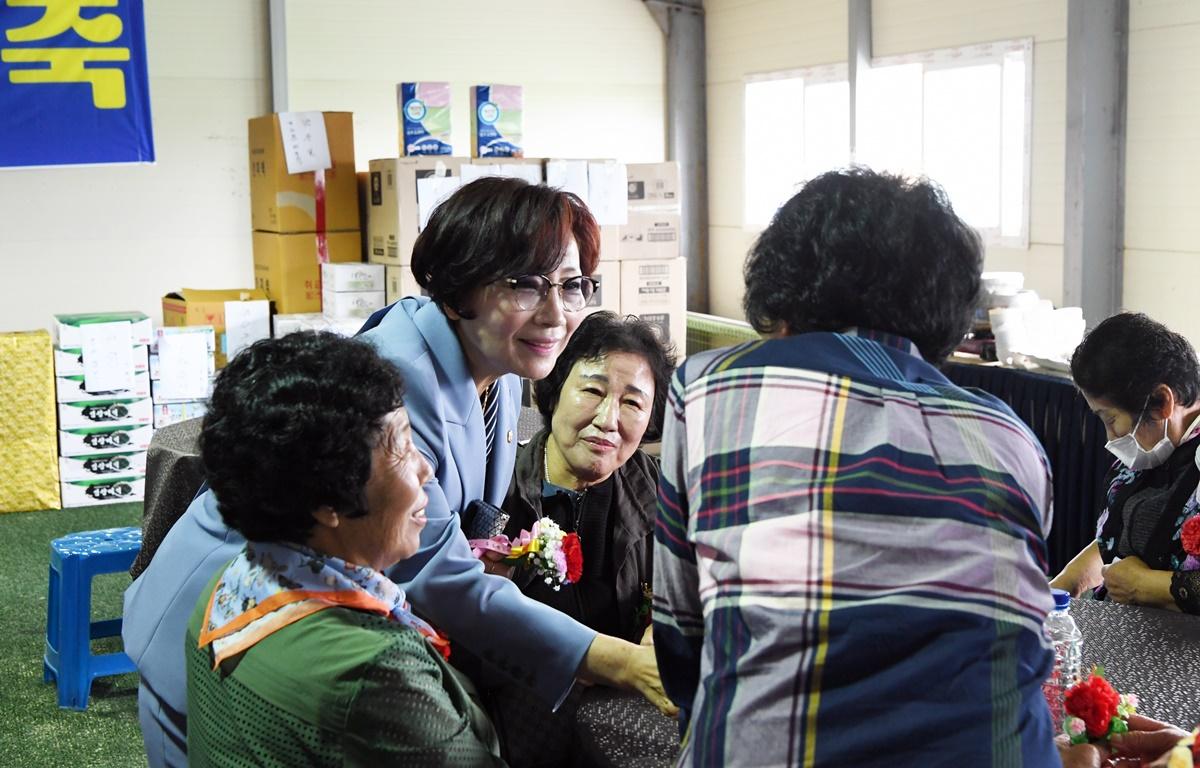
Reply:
x=506, y=265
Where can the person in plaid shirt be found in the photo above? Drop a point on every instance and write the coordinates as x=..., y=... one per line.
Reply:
x=850, y=559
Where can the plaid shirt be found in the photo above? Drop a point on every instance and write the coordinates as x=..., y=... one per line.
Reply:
x=850, y=561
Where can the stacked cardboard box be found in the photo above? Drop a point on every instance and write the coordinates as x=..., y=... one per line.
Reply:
x=183, y=365
x=401, y=189
x=102, y=386
x=233, y=327
x=315, y=321
x=350, y=291
x=653, y=274
x=301, y=220
x=27, y=430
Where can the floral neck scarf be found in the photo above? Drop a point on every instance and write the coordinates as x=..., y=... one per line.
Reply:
x=270, y=585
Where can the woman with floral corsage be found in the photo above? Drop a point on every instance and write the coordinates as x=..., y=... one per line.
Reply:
x=301, y=651
x=586, y=472
x=1143, y=381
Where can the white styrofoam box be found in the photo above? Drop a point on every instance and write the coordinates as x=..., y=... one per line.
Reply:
x=166, y=414
x=656, y=291
x=210, y=336
x=157, y=396
x=341, y=305
x=69, y=362
x=98, y=441
x=67, y=334
x=351, y=276
x=101, y=467
x=118, y=490
x=104, y=413
x=69, y=389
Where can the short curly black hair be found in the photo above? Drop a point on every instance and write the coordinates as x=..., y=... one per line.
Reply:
x=598, y=335
x=500, y=227
x=291, y=427
x=1127, y=356
x=858, y=248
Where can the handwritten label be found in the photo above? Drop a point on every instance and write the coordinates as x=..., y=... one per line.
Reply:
x=107, y=356
x=569, y=176
x=245, y=323
x=183, y=365
x=305, y=144
x=432, y=191
x=608, y=188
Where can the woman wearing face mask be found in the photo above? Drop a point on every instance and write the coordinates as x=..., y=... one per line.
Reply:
x=1143, y=381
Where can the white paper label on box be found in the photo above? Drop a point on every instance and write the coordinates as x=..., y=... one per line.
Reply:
x=607, y=193
x=245, y=323
x=183, y=365
x=305, y=145
x=107, y=356
x=471, y=172
x=432, y=191
x=526, y=171
x=569, y=176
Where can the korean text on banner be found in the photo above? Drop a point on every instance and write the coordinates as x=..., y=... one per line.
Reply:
x=73, y=83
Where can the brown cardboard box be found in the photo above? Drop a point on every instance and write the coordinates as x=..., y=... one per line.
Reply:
x=653, y=185
x=656, y=291
x=650, y=234
x=28, y=431
x=393, y=209
x=286, y=267
x=610, y=243
x=283, y=202
x=608, y=295
x=190, y=306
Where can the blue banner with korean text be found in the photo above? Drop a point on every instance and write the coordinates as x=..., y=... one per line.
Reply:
x=73, y=84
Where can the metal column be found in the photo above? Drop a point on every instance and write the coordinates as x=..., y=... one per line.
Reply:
x=858, y=62
x=687, y=132
x=279, y=75
x=1094, y=227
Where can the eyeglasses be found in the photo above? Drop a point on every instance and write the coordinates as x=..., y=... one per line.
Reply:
x=530, y=291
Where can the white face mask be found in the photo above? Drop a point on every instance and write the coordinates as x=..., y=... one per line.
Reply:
x=1133, y=455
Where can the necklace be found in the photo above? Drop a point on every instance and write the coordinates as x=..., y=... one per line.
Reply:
x=575, y=497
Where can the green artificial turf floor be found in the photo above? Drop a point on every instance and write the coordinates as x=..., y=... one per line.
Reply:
x=33, y=730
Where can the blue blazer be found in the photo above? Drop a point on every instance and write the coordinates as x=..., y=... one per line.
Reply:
x=533, y=643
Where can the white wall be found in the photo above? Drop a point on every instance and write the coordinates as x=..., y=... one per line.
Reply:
x=744, y=37
x=104, y=238
x=79, y=239
x=1162, y=163
x=593, y=72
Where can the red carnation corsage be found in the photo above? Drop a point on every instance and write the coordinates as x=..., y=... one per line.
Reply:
x=1095, y=710
x=1190, y=538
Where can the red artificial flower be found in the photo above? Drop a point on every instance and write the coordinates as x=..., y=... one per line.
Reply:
x=574, y=555
x=1191, y=535
x=1094, y=702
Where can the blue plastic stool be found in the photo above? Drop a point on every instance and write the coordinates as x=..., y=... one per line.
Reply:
x=74, y=560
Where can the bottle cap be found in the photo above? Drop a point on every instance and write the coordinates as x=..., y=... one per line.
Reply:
x=1062, y=599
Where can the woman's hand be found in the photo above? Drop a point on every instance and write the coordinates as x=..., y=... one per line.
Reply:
x=648, y=635
x=621, y=664
x=1078, y=755
x=1131, y=581
x=1147, y=739
x=492, y=564
x=1084, y=572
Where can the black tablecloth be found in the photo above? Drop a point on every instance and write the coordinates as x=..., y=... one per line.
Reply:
x=1150, y=652
x=618, y=729
x=173, y=474
x=1073, y=439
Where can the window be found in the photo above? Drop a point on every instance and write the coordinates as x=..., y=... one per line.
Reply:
x=960, y=116
x=797, y=126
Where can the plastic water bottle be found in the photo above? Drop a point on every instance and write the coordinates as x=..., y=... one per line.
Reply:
x=1067, y=640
